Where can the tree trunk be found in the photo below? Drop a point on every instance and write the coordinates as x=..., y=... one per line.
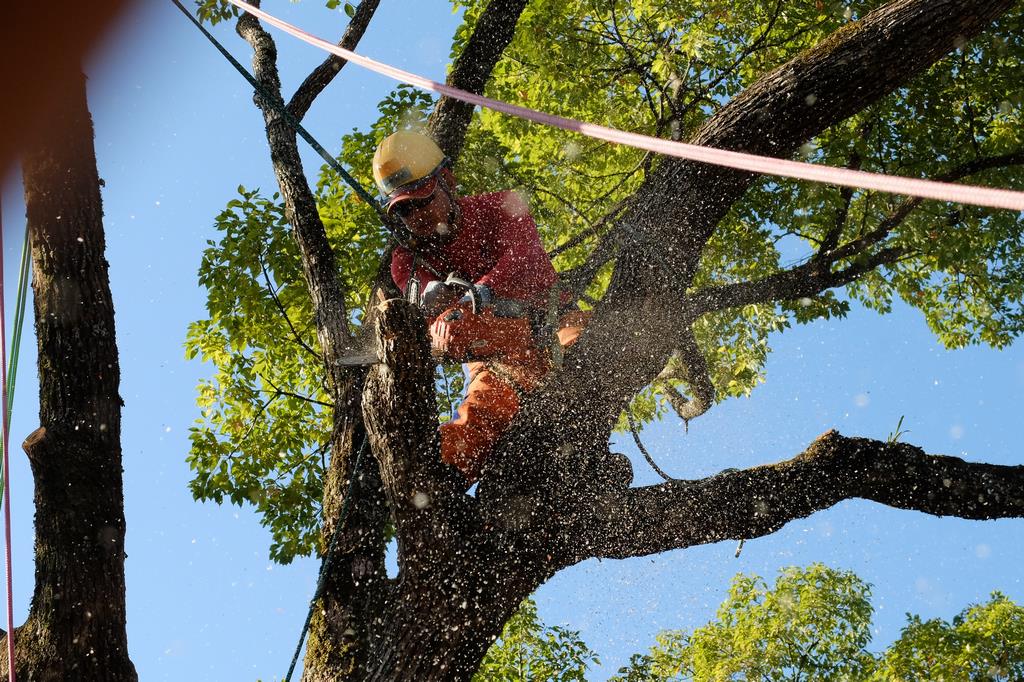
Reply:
x=341, y=618
x=346, y=622
x=460, y=578
x=76, y=625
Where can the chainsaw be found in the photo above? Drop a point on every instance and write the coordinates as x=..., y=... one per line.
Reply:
x=471, y=330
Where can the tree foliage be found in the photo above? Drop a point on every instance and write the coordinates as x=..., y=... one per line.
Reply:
x=690, y=270
x=659, y=68
x=815, y=624
x=983, y=642
x=528, y=649
x=664, y=68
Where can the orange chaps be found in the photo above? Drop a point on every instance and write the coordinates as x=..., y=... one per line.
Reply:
x=492, y=400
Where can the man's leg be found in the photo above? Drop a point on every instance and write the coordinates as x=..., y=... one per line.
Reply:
x=492, y=401
x=490, y=405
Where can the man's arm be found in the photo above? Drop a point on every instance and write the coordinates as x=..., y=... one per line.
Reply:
x=401, y=270
x=523, y=271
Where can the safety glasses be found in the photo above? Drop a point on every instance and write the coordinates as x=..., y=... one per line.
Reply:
x=404, y=209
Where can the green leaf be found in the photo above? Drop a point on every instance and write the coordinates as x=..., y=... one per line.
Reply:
x=528, y=649
x=815, y=623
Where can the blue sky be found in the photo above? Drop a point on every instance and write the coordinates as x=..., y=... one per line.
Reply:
x=176, y=133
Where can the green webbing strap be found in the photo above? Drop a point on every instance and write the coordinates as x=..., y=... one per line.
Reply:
x=19, y=319
x=279, y=107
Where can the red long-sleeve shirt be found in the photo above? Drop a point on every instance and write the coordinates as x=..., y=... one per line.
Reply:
x=496, y=245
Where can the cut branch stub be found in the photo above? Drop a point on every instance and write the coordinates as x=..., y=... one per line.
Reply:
x=398, y=402
x=400, y=413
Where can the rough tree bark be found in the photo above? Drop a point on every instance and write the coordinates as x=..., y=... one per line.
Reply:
x=76, y=625
x=466, y=563
x=344, y=610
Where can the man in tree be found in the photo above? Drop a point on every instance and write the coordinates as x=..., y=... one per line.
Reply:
x=691, y=265
x=498, y=308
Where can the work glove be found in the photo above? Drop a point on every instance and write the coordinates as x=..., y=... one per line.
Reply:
x=460, y=335
x=437, y=296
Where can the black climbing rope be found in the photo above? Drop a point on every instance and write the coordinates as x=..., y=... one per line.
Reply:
x=335, y=539
x=636, y=438
x=393, y=230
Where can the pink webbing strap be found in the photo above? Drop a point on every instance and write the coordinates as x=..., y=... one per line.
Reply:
x=927, y=189
x=7, y=467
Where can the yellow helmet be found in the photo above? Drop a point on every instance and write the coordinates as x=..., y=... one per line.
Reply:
x=402, y=160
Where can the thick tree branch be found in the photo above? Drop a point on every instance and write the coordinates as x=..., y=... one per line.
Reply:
x=322, y=75
x=803, y=281
x=494, y=31
x=853, y=68
x=318, y=260
x=354, y=583
x=816, y=275
x=676, y=210
x=76, y=624
x=466, y=576
x=758, y=501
